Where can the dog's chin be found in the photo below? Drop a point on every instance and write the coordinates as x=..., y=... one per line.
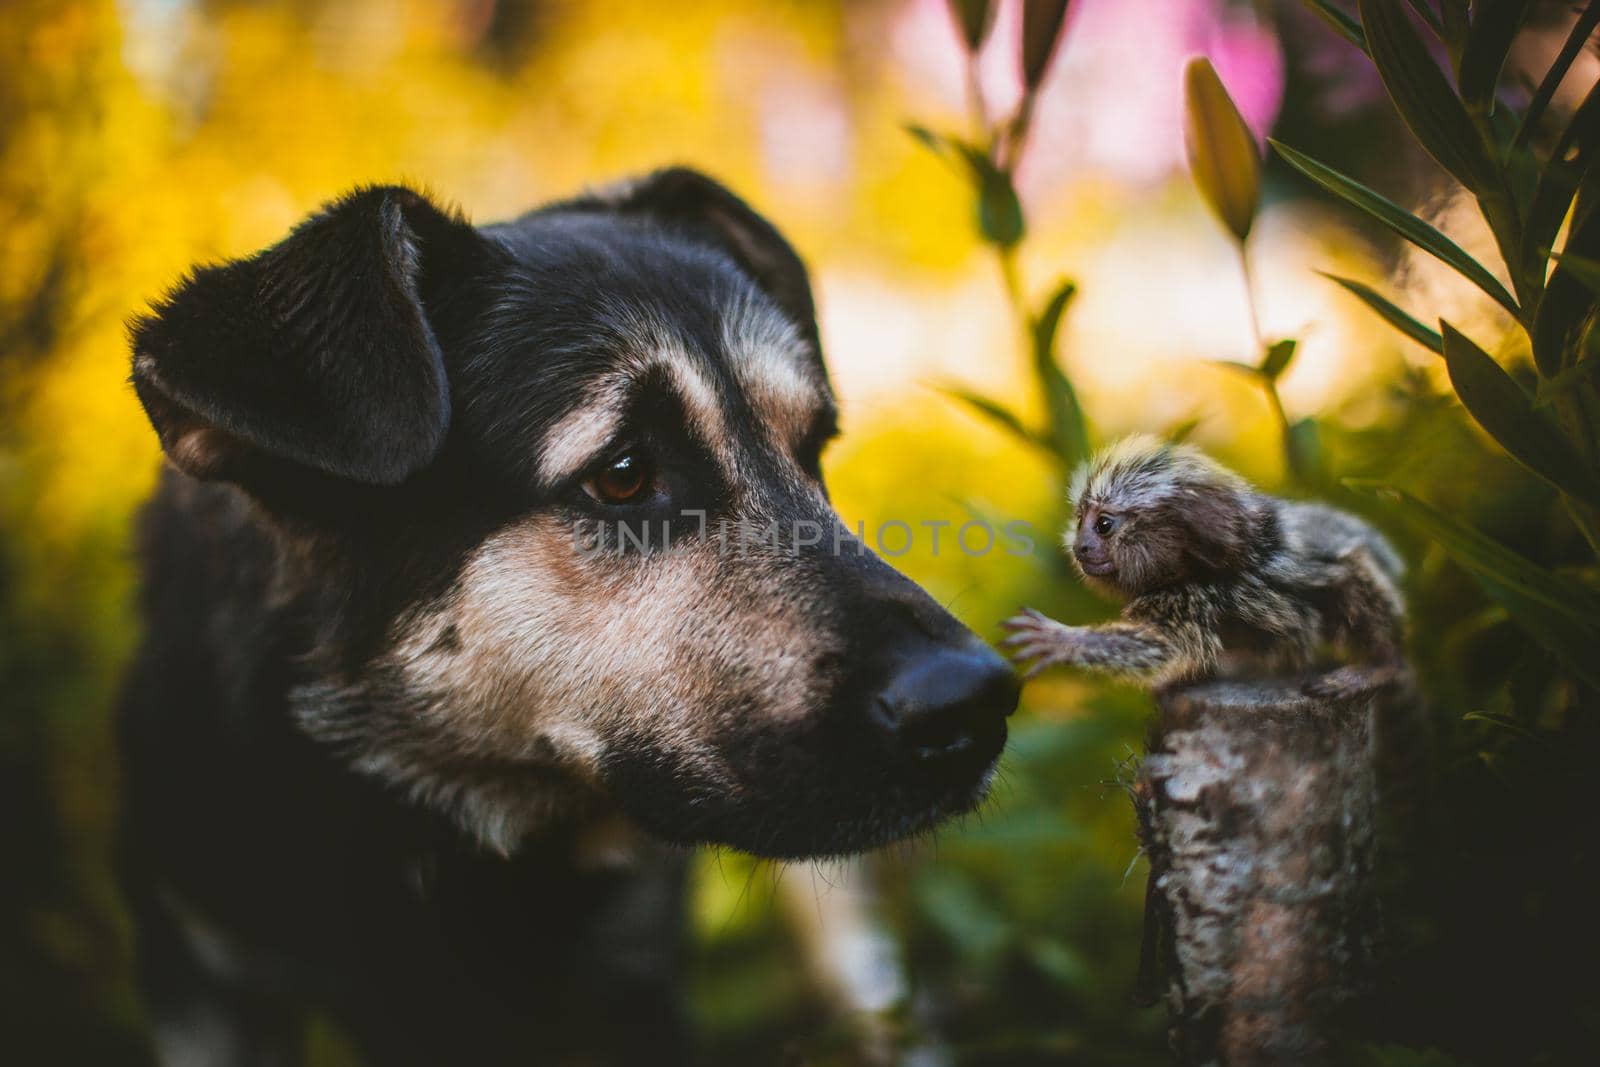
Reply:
x=796, y=820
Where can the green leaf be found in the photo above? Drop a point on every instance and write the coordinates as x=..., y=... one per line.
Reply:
x=1222, y=151
x=965, y=917
x=1342, y=23
x=1063, y=964
x=1042, y=21
x=930, y=139
x=1561, y=177
x=1277, y=359
x=1400, y=221
x=1483, y=555
x=1424, y=98
x=1567, y=302
x=1582, y=268
x=1451, y=24
x=995, y=412
x=973, y=19
x=1562, y=616
x=1304, y=447
x=1180, y=432
x=1390, y=312
x=1523, y=168
x=1048, y=324
x=1246, y=369
x=1565, y=382
x=999, y=211
x=1510, y=725
x=1068, y=429
x=978, y=512
x=1506, y=412
x=1494, y=26
x=1581, y=32
x=1429, y=17
x=1572, y=645
x=937, y=143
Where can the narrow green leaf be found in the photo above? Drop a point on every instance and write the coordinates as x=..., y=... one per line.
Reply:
x=1304, y=445
x=1071, y=435
x=978, y=512
x=1069, y=430
x=1277, y=359
x=1451, y=25
x=1390, y=312
x=1048, y=324
x=1063, y=964
x=1572, y=160
x=1400, y=221
x=1507, y=414
x=1429, y=17
x=1042, y=21
x=996, y=413
x=1494, y=26
x=1583, y=268
x=973, y=19
x=1561, y=615
x=961, y=915
x=1567, y=302
x=1552, y=388
x=999, y=210
x=1573, y=646
x=937, y=143
x=1246, y=369
x=1522, y=166
x=1582, y=30
x=1180, y=432
x=1342, y=23
x=1483, y=555
x=1501, y=721
x=1424, y=98
x=1223, y=156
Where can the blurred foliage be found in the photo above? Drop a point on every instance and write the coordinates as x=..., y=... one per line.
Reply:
x=138, y=138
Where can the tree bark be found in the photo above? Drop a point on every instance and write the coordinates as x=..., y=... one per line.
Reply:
x=1259, y=809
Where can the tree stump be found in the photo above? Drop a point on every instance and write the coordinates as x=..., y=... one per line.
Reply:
x=1259, y=810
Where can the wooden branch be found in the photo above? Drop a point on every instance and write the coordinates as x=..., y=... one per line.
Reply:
x=1259, y=809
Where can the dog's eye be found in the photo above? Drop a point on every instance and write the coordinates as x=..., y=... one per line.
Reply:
x=1106, y=525
x=824, y=429
x=622, y=479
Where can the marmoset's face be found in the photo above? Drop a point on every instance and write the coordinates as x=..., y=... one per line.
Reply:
x=1092, y=548
x=1126, y=550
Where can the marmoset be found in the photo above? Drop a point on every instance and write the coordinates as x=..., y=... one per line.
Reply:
x=1216, y=575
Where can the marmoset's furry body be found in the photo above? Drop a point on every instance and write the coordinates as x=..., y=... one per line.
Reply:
x=1216, y=575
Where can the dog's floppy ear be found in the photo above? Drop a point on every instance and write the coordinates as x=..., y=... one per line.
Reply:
x=706, y=210
x=316, y=353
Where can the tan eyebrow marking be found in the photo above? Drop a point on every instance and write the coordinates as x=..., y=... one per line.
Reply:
x=576, y=440
x=772, y=364
x=579, y=437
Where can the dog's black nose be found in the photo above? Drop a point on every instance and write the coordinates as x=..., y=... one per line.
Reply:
x=948, y=707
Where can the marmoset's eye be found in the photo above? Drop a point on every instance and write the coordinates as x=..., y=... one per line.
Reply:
x=1105, y=525
x=621, y=480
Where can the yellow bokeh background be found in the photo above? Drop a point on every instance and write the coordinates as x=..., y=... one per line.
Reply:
x=165, y=134
x=141, y=138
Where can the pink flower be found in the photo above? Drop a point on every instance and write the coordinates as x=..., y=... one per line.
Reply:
x=1113, y=99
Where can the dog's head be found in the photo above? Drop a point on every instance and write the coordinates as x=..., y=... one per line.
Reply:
x=550, y=492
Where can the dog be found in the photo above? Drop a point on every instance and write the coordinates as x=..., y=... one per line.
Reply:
x=448, y=650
